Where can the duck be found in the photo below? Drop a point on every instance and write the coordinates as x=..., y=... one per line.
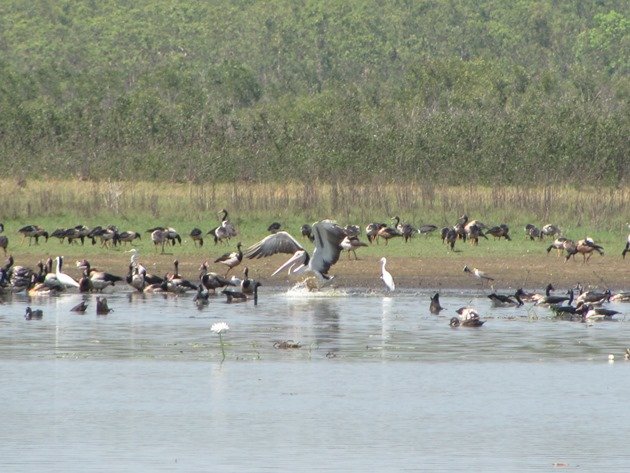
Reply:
x=247, y=284
x=80, y=308
x=549, y=298
x=387, y=233
x=434, y=306
x=533, y=232
x=456, y=322
x=405, y=229
x=371, y=231
x=224, y=231
x=98, y=280
x=231, y=260
x=621, y=297
x=426, y=229
x=197, y=237
x=386, y=276
x=158, y=237
x=4, y=243
x=307, y=232
x=202, y=297
x=328, y=237
x=586, y=247
x=128, y=236
x=468, y=317
x=33, y=231
x=482, y=276
x=450, y=237
x=593, y=297
x=558, y=244
x=176, y=283
x=212, y=281
x=598, y=314
x=274, y=227
x=473, y=232
x=569, y=312
x=33, y=314
x=550, y=230
x=499, y=231
x=234, y=296
x=101, y=306
x=38, y=289
x=500, y=300
x=350, y=244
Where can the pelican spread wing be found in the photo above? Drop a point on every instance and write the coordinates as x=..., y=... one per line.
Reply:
x=328, y=237
x=280, y=242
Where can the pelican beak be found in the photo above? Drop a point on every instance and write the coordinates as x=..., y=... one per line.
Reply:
x=297, y=257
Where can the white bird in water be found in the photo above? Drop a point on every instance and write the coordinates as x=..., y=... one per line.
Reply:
x=386, y=276
x=327, y=238
x=63, y=278
x=478, y=274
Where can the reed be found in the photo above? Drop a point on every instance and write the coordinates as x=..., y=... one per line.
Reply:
x=65, y=201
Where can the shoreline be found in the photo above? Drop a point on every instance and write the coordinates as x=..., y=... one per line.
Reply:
x=530, y=271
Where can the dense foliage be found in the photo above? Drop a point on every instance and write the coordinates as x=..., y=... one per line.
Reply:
x=450, y=91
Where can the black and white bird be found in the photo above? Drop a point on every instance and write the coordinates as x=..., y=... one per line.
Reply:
x=327, y=238
x=478, y=274
x=231, y=260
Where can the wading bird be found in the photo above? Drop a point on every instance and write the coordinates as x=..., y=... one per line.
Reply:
x=386, y=275
x=478, y=274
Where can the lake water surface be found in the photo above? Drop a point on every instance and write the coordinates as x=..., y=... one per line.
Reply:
x=377, y=384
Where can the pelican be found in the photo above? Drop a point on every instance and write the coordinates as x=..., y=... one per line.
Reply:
x=328, y=237
x=63, y=278
x=386, y=276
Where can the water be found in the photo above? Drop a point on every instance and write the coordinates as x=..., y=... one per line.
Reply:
x=377, y=384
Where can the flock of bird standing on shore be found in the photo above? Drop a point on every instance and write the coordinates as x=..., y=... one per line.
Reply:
x=329, y=239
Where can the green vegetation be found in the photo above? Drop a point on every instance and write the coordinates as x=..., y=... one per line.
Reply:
x=444, y=92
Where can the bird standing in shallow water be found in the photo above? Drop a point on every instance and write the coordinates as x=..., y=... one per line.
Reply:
x=386, y=276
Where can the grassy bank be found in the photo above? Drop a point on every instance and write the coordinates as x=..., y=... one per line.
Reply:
x=139, y=206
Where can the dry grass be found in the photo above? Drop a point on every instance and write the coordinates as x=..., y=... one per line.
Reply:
x=600, y=209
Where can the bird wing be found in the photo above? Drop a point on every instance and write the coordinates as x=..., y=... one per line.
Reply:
x=328, y=237
x=280, y=242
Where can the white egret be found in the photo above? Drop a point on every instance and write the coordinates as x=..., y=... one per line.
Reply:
x=386, y=276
